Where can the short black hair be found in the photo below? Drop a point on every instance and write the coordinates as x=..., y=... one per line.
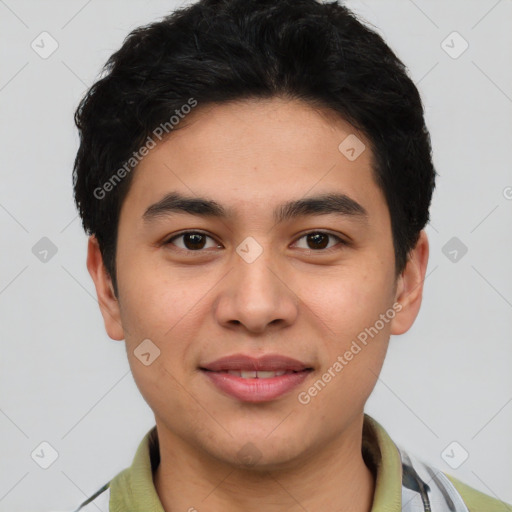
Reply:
x=216, y=51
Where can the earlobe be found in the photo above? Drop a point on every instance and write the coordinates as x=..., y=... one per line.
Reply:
x=409, y=290
x=107, y=300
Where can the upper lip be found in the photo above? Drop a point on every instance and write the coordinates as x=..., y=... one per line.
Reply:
x=268, y=362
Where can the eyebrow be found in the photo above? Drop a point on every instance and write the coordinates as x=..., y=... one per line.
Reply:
x=323, y=204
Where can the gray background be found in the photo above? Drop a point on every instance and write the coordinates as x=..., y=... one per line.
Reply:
x=63, y=381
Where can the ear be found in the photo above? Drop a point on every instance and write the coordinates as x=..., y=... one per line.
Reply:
x=107, y=300
x=409, y=290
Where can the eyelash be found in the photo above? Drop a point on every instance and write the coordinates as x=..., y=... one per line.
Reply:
x=341, y=242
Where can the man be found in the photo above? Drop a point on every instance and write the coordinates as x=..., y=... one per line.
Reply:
x=255, y=177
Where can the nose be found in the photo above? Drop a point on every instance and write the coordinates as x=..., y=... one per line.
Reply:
x=258, y=296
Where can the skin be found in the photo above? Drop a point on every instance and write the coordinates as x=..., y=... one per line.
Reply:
x=293, y=300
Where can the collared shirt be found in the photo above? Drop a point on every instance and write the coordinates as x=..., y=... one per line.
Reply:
x=403, y=483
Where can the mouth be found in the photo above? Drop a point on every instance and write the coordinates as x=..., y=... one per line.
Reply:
x=250, y=379
x=247, y=363
x=253, y=374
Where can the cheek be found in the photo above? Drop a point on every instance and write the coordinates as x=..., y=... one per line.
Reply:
x=167, y=310
x=153, y=299
x=162, y=387
x=156, y=309
x=350, y=301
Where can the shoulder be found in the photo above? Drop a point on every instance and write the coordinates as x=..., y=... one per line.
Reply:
x=477, y=501
x=440, y=490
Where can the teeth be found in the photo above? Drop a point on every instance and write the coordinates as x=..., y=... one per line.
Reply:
x=267, y=375
x=257, y=375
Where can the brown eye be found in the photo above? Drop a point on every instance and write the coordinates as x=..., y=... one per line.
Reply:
x=192, y=241
x=319, y=240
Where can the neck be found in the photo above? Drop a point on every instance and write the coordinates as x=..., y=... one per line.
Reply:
x=333, y=478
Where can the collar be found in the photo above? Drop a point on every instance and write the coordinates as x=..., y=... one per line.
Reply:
x=133, y=488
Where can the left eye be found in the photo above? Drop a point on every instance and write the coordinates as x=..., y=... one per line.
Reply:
x=195, y=240
x=319, y=240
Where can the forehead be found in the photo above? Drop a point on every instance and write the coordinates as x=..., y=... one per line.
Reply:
x=253, y=154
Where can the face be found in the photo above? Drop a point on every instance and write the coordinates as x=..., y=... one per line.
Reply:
x=239, y=273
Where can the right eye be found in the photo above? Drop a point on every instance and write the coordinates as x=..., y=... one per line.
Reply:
x=193, y=241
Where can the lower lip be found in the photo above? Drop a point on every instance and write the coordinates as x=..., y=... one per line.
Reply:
x=256, y=390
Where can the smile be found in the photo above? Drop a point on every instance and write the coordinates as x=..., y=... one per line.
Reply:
x=256, y=386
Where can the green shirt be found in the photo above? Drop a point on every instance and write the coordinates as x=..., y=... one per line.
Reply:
x=402, y=482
